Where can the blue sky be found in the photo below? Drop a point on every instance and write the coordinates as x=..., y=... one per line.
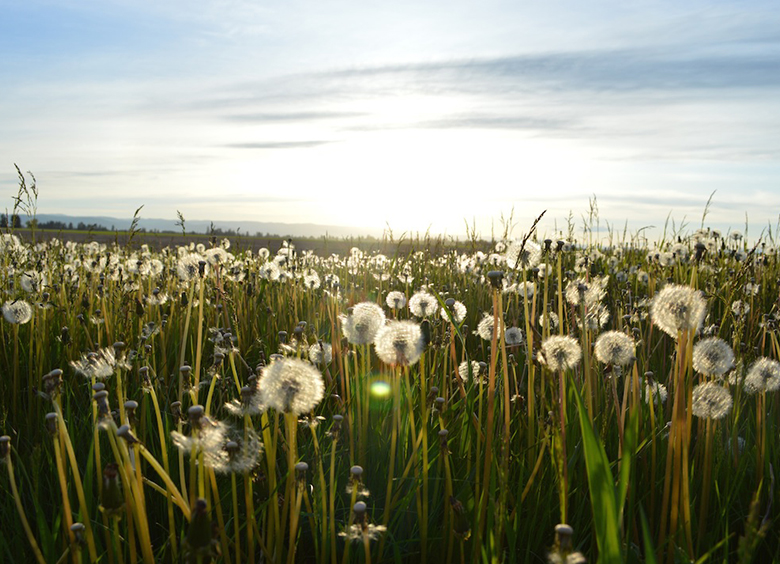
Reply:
x=418, y=115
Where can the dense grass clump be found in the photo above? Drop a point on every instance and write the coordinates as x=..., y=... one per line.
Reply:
x=542, y=401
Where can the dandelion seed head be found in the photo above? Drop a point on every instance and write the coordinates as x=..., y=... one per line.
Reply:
x=712, y=357
x=399, y=343
x=422, y=304
x=655, y=390
x=321, y=353
x=17, y=312
x=513, y=337
x=678, y=308
x=463, y=370
x=763, y=376
x=457, y=310
x=614, y=347
x=395, y=300
x=711, y=401
x=519, y=256
x=485, y=327
x=362, y=325
x=561, y=352
x=291, y=385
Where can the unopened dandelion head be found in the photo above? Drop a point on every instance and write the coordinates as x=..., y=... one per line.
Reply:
x=361, y=326
x=711, y=401
x=399, y=343
x=614, y=347
x=763, y=376
x=292, y=386
x=678, y=308
x=561, y=352
x=713, y=357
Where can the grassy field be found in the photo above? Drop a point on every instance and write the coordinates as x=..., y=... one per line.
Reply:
x=521, y=400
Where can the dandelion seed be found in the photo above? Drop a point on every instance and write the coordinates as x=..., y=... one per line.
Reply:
x=713, y=357
x=678, y=308
x=614, y=347
x=361, y=326
x=561, y=352
x=399, y=343
x=17, y=312
x=711, y=401
x=291, y=386
x=763, y=376
x=422, y=304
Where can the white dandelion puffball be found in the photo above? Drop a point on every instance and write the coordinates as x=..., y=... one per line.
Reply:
x=678, y=308
x=513, y=337
x=291, y=385
x=614, y=347
x=712, y=357
x=361, y=326
x=17, y=312
x=422, y=304
x=561, y=352
x=399, y=343
x=395, y=300
x=457, y=310
x=711, y=401
x=763, y=376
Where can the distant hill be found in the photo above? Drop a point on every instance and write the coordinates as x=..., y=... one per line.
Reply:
x=203, y=226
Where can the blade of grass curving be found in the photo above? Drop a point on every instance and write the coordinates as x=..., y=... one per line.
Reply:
x=602, y=490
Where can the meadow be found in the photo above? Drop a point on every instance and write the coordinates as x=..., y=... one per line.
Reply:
x=563, y=399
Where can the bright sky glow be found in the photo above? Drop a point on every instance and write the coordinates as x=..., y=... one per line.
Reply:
x=418, y=115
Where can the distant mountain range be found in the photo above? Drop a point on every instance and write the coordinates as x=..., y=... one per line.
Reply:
x=203, y=226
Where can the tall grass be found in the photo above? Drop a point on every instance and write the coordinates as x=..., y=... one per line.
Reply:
x=404, y=462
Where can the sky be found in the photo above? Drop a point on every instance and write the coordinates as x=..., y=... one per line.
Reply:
x=420, y=116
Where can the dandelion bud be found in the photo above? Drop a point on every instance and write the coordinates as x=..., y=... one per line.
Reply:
x=359, y=509
x=201, y=268
x=195, y=414
x=232, y=448
x=98, y=386
x=198, y=541
x=443, y=440
x=298, y=331
x=78, y=532
x=101, y=398
x=282, y=336
x=547, y=245
x=130, y=407
x=51, y=423
x=65, y=335
x=356, y=472
x=125, y=433
x=184, y=300
x=300, y=471
x=495, y=277
x=5, y=446
x=176, y=410
x=439, y=404
x=563, y=536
